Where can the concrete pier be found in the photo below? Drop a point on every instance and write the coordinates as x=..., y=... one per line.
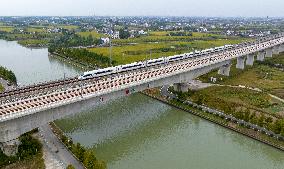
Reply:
x=275, y=50
x=250, y=60
x=240, y=62
x=268, y=53
x=225, y=70
x=281, y=48
x=260, y=56
x=181, y=87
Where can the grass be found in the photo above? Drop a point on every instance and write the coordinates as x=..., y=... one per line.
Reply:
x=94, y=34
x=141, y=51
x=1, y=88
x=222, y=96
x=36, y=162
x=262, y=76
x=35, y=29
x=6, y=29
x=33, y=42
x=68, y=27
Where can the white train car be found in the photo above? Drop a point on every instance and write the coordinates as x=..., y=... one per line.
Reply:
x=219, y=49
x=197, y=53
x=207, y=51
x=98, y=73
x=131, y=66
x=174, y=58
x=188, y=55
x=155, y=62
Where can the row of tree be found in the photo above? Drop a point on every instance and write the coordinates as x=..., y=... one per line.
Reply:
x=277, y=126
x=8, y=75
x=85, y=56
x=71, y=39
x=85, y=156
x=180, y=33
x=263, y=120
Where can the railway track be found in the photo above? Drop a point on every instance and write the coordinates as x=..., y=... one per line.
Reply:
x=29, y=91
x=94, y=86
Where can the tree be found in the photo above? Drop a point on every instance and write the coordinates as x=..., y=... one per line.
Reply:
x=124, y=34
x=89, y=160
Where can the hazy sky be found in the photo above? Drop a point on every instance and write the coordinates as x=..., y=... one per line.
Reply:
x=142, y=7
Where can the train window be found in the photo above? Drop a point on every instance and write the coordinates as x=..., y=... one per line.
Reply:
x=103, y=72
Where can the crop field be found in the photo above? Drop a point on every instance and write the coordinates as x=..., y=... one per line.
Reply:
x=35, y=29
x=141, y=51
x=6, y=28
x=94, y=34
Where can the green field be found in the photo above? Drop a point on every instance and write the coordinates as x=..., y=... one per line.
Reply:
x=6, y=29
x=141, y=51
x=33, y=42
x=35, y=29
x=94, y=34
x=69, y=27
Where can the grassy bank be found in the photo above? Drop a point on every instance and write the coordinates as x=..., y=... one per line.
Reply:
x=85, y=156
x=8, y=75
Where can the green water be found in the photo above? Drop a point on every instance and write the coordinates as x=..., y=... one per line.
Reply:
x=142, y=133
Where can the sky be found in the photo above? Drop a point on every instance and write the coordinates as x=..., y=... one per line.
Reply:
x=214, y=8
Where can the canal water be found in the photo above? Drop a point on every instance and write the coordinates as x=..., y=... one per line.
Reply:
x=33, y=65
x=138, y=132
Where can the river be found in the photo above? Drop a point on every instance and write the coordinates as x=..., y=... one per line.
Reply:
x=138, y=132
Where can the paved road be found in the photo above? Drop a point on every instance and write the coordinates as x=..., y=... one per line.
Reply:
x=51, y=160
x=57, y=148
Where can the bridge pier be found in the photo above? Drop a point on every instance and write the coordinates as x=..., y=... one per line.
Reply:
x=268, y=53
x=225, y=70
x=260, y=56
x=10, y=148
x=281, y=48
x=181, y=87
x=275, y=50
x=250, y=60
x=240, y=62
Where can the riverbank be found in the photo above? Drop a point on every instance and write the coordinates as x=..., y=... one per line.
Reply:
x=55, y=151
x=84, y=156
x=72, y=62
x=220, y=121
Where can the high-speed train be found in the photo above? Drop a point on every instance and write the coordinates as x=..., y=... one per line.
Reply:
x=150, y=63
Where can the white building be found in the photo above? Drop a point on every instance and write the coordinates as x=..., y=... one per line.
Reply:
x=105, y=40
x=115, y=35
x=142, y=32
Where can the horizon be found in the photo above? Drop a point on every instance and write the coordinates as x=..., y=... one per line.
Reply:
x=175, y=8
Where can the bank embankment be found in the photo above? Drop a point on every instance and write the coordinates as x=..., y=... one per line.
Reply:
x=218, y=120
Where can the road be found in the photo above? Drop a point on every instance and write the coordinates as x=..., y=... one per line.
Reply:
x=58, y=149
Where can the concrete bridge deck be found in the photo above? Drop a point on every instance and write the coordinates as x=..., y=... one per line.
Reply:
x=21, y=115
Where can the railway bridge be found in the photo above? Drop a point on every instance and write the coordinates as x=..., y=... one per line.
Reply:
x=30, y=107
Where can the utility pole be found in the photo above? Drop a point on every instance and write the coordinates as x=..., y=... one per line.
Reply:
x=110, y=52
x=110, y=43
